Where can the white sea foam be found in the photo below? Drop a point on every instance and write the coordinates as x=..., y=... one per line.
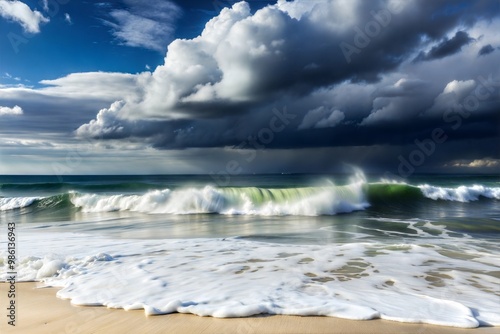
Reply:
x=461, y=193
x=236, y=278
x=11, y=203
x=425, y=229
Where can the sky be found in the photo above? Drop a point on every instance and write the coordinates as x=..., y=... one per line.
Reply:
x=222, y=87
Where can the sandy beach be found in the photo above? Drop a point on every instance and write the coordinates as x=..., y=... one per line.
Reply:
x=38, y=310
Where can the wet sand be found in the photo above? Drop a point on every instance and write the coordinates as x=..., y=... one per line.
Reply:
x=39, y=311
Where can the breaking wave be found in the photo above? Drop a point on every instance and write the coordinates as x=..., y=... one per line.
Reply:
x=307, y=201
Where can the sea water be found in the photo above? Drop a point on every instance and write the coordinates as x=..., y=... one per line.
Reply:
x=425, y=250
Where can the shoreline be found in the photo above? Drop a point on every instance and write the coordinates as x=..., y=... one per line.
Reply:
x=38, y=310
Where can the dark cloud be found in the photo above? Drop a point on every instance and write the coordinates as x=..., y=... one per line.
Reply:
x=234, y=76
x=487, y=49
x=446, y=48
x=324, y=80
x=244, y=60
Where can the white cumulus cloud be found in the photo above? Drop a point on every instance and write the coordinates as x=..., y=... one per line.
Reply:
x=21, y=13
x=105, y=122
x=16, y=110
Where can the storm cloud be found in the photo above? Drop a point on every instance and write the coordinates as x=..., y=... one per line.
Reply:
x=447, y=47
x=322, y=77
x=487, y=49
x=224, y=83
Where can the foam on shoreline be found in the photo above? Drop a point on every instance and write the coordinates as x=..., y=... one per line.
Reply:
x=420, y=283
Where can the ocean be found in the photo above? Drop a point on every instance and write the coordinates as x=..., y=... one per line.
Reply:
x=426, y=250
